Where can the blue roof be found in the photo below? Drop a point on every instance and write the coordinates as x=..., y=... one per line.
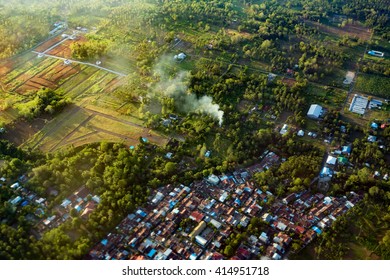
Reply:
x=238, y=201
x=374, y=125
x=317, y=230
x=131, y=147
x=24, y=203
x=104, y=242
x=145, y=139
x=143, y=214
x=78, y=208
x=151, y=253
x=346, y=149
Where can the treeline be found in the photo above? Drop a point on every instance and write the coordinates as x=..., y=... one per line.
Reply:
x=94, y=48
x=45, y=101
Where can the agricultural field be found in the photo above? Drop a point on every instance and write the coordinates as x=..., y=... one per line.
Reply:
x=373, y=84
x=91, y=118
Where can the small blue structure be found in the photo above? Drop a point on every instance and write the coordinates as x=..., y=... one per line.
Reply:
x=131, y=147
x=145, y=140
x=104, y=242
x=24, y=203
x=374, y=126
x=326, y=172
x=346, y=149
x=152, y=253
x=317, y=230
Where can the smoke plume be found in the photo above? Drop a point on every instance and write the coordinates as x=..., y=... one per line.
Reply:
x=176, y=86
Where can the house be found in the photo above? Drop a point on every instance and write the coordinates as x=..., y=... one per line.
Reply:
x=371, y=138
x=199, y=228
x=271, y=77
x=326, y=172
x=346, y=149
x=180, y=57
x=289, y=198
x=342, y=160
x=196, y=216
x=212, y=179
x=331, y=160
x=267, y=218
x=374, y=104
x=374, y=126
x=301, y=133
x=315, y=111
x=169, y=155
x=200, y=240
x=284, y=129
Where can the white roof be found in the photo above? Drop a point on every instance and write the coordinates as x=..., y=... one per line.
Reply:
x=331, y=160
x=314, y=111
x=301, y=133
x=358, y=104
x=200, y=240
x=284, y=129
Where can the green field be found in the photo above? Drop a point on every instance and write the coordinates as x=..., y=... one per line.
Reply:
x=372, y=84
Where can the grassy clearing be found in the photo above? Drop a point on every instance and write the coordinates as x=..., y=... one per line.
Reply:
x=331, y=98
x=57, y=129
x=372, y=84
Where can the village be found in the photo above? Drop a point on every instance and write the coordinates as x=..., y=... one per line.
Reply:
x=192, y=222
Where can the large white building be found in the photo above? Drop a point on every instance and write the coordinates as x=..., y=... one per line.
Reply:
x=315, y=111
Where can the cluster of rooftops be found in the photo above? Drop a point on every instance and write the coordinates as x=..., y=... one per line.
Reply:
x=193, y=222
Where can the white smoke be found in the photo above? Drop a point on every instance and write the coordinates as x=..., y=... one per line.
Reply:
x=176, y=87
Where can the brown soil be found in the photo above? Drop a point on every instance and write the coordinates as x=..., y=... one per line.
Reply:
x=289, y=82
x=48, y=44
x=22, y=130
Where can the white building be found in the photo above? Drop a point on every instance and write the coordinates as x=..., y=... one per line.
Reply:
x=315, y=111
x=331, y=160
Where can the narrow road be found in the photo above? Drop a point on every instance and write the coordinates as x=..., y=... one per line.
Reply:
x=55, y=45
x=84, y=63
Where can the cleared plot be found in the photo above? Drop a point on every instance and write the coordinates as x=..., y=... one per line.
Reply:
x=331, y=98
x=53, y=132
x=8, y=65
x=352, y=30
x=49, y=43
x=77, y=126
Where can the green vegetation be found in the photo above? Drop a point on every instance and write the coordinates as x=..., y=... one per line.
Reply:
x=217, y=99
x=375, y=85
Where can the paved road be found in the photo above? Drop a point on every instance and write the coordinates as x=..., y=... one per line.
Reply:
x=84, y=63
